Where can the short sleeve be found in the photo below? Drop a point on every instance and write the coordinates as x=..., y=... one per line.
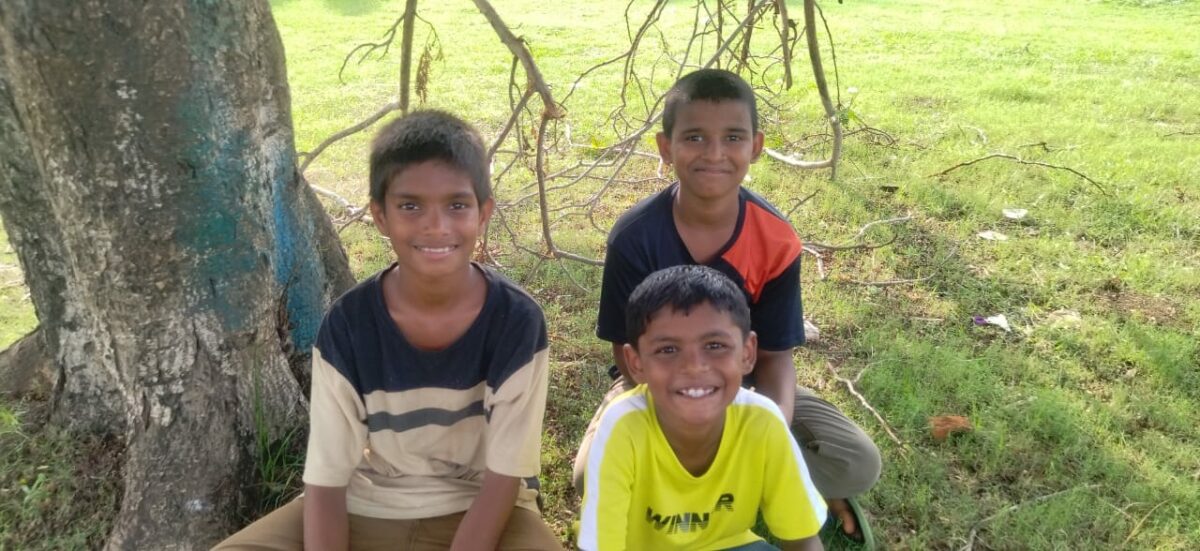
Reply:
x=337, y=416
x=792, y=507
x=608, y=490
x=516, y=406
x=778, y=316
x=621, y=276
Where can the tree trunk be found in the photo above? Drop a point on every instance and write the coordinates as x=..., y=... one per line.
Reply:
x=176, y=260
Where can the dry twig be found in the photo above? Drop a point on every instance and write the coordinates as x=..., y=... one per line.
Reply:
x=889, y=282
x=854, y=391
x=855, y=242
x=1016, y=159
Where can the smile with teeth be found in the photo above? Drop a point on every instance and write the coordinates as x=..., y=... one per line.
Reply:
x=697, y=392
x=436, y=250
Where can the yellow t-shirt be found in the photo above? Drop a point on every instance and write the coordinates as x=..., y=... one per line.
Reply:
x=638, y=496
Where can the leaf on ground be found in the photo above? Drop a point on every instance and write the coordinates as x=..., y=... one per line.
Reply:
x=942, y=426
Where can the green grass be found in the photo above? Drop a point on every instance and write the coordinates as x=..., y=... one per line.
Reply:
x=1103, y=409
x=16, y=308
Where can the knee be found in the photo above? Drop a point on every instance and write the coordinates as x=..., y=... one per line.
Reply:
x=864, y=467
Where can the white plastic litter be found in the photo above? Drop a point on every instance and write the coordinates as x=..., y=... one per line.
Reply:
x=1015, y=214
x=993, y=235
x=999, y=320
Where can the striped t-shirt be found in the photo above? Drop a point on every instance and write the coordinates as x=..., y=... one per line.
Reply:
x=411, y=431
x=637, y=495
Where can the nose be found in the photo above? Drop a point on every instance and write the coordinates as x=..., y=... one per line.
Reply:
x=694, y=361
x=712, y=150
x=436, y=221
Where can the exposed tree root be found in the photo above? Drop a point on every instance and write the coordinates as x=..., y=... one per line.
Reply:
x=26, y=366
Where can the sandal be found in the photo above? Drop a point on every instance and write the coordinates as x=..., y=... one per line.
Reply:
x=863, y=538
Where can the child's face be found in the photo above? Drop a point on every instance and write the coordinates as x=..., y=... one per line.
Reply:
x=711, y=146
x=693, y=364
x=432, y=217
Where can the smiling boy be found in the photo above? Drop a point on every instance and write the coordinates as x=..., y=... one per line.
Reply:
x=429, y=378
x=689, y=459
x=711, y=136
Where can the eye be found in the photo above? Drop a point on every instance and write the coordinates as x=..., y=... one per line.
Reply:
x=666, y=349
x=735, y=138
x=693, y=138
x=459, y=205
x=715, y=346
x=407, y=205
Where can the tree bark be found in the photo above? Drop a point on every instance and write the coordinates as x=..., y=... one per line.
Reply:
x=176, y=260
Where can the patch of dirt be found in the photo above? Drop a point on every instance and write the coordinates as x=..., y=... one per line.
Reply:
x=1156, y=310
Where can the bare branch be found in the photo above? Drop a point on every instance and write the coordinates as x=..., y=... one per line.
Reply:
x=814, y=55
x=410, y=14
x=367, y=122
x=798, y=163
x=800, y=202
x=781, y=5
x=855, y=243
x=361, y=212
x=1047, y=147
x=837, y=77
x=346, y=204
x=1016, y=159
x=889, y=282
x=551, y=110
x=385, y=44
x=508, y=126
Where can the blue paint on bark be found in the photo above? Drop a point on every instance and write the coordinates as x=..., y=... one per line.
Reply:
x=222, y=219
x=297, y=260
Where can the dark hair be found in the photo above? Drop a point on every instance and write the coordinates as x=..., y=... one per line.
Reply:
x=709, y=85
x=423, y=136
x=680, y=288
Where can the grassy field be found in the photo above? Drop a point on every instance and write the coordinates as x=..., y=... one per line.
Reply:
x=1084, y=415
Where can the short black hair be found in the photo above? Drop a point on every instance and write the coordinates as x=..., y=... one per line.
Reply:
x=714, y=85
x=424, y=136
x=681, y=288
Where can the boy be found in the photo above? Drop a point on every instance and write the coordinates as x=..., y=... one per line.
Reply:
x=688, y=459
x=429, y=379
x=710, y=135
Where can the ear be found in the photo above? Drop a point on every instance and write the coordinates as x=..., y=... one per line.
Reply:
x=758, y=146
x=632, y=362
x=749, y=353
x=664, y=146
x=485, y=211
x=377, y=216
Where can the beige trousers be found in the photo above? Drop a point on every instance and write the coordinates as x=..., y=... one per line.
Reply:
x=283, y=529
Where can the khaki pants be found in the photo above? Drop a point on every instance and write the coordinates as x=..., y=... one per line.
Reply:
x=841, y=458
x=283, y=529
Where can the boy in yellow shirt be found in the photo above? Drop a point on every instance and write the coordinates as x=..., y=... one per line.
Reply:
x=688, y=458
